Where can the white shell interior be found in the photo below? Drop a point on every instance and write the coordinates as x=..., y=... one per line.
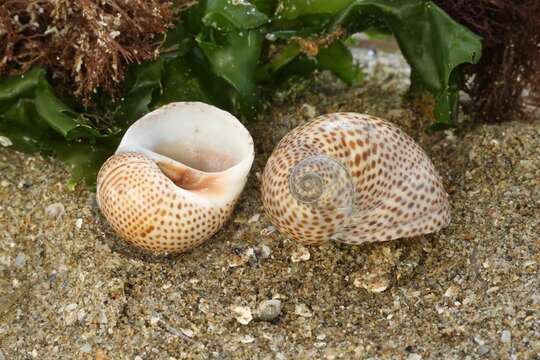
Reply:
x=193, y=134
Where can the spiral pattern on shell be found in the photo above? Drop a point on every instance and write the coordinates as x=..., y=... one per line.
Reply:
x=322, y=182
x=352, y=178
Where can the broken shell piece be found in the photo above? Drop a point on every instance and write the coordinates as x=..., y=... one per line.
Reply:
x=300, y=254
x=175, y=177
x=373, y=282
x=242, y=314
x=247, y=256
x=302, y=310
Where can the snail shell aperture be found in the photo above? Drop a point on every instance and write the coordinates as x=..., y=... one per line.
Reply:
x=352, y=178
x=175, y=177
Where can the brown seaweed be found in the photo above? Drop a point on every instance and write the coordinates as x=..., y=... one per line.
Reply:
x=506, y=81
x=85, y=44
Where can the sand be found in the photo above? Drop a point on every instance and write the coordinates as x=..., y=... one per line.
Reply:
x=71, y=289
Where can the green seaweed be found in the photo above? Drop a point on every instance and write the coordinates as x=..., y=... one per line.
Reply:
x=220, y=54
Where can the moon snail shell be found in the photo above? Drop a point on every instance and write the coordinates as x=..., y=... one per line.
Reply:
x=352, y=178
x=175, y=177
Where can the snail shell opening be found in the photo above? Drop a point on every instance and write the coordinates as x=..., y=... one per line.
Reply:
x=190, y=142
x=176, y=176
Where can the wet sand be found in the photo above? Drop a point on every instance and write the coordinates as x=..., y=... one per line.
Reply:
x=70, y=289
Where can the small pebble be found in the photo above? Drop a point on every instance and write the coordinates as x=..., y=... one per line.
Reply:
x=268, y=310
x=174, y=330
x=254, y=218
x=86, y=348
x=493, y=289
x=20, y=260
x=300, y=254
x=55, y=210
x=267, y=231
x=5, y=141
x=450, y=135
x=451, y=292
x=78, y=223
x=270, y=37
x=4, y=183
x=242, y=314
x=154, y=320
x=309, y=110
x=479, y=340
x=71, y=307
x=483, y=350
x=413, y=356
x=506, y=336
x=247, y=339
x=247, y=256
x=25, y=183
x=188, y=332
x=374, y=283
x=302, y=310
x=264, y=251
x=103, y=318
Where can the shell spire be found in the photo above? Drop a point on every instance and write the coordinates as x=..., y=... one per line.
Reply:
x=352, y=178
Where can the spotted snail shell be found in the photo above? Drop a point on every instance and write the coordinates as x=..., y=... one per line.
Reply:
x=175, y=177
x=352, y=178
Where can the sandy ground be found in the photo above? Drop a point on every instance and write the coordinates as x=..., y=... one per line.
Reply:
x=70, y=289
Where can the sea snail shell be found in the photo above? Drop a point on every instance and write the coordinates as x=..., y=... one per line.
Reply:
x=175, y=177
x=352, y=178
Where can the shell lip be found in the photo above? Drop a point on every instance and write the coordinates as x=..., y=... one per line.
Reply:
x=191, y=135
x=163, y=159
x=198, y=147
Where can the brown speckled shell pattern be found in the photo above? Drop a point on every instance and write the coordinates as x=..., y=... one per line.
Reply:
x=149, y=211
x=396, y=190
